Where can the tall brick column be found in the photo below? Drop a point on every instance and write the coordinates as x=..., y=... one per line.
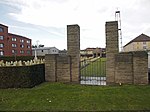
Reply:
x=112, y=48
x=73, y=47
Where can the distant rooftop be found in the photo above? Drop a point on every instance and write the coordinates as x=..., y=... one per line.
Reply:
x=17, y=35
x=44, y=48
x=140, y=38
x=3, y=25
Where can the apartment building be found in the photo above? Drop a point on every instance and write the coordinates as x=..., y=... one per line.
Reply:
x=140, y=43
x=13, y=44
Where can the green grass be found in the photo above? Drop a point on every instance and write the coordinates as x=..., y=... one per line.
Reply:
x=96, y=68
x=67, y=97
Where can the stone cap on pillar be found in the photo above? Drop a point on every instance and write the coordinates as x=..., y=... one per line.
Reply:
x=111, y=22
x=73, y=25
x=73, y=29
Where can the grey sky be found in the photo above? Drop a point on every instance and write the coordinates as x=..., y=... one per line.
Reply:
x=46, y=20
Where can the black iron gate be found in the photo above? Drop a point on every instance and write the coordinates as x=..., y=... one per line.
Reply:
x=93, y=71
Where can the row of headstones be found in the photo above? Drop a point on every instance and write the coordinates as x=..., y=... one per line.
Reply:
x=22, y=63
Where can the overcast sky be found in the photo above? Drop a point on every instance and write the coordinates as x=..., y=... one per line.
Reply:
x=46, y=20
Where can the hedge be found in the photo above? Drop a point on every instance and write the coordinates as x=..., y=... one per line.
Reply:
x=22, y=76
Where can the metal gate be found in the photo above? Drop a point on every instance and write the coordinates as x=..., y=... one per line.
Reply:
x=93, y=71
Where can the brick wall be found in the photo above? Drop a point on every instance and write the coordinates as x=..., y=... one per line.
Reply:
x=140, y=68
x=50, y=68
x=65, y=68
x=129, y=67
x=58, y=68
x=124, y=68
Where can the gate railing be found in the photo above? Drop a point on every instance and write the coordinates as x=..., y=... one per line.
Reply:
x=93, y=71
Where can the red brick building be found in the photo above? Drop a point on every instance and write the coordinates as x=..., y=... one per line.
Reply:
x=13, y=45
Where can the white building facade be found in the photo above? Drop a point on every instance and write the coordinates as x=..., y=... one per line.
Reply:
x=44, y=50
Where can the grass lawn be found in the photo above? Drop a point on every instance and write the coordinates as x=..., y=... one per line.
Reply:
x=96, y=68
x=67, y=97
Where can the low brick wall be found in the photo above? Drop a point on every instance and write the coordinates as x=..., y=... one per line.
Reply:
x=131, y=68
x=22, y=76
x=124, y=68
x=140, y=68
x=58, y=68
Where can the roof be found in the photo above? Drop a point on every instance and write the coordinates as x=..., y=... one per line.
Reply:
x=3, y=25
x=44, y=48
x=140, y=38
x=10, y=34
x=92, y=49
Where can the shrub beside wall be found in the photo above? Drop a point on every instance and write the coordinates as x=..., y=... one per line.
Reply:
x=22, y=76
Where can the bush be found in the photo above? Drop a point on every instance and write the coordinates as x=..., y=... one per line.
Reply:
x=22, y=76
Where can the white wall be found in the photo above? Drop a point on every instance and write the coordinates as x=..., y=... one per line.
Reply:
x=45, y=50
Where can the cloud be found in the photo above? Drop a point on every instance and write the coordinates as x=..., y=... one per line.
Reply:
x=52, y=16
x=45, y=13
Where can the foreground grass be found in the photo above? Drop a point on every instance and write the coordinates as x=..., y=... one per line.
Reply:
x=66, y=97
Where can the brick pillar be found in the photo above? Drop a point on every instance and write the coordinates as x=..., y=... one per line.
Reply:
x=51, y=67
x=112, y=48
x=73, y=47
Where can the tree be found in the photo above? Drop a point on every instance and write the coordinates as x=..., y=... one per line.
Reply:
x=41, y=45
x=34, y=46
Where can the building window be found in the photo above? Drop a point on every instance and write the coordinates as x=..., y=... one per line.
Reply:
x=1, y=37
x=22, y=46
x=1, y=53
x=28, y=46
x=28, y=41
x=14, y=39
x=28, y=52
x=1, y=29
x=14, y=51
x=1, y=45
x=14, y=45
x=22, y=40
x=21, y=52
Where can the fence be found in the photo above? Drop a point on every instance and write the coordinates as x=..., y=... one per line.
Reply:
x=93, y=71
